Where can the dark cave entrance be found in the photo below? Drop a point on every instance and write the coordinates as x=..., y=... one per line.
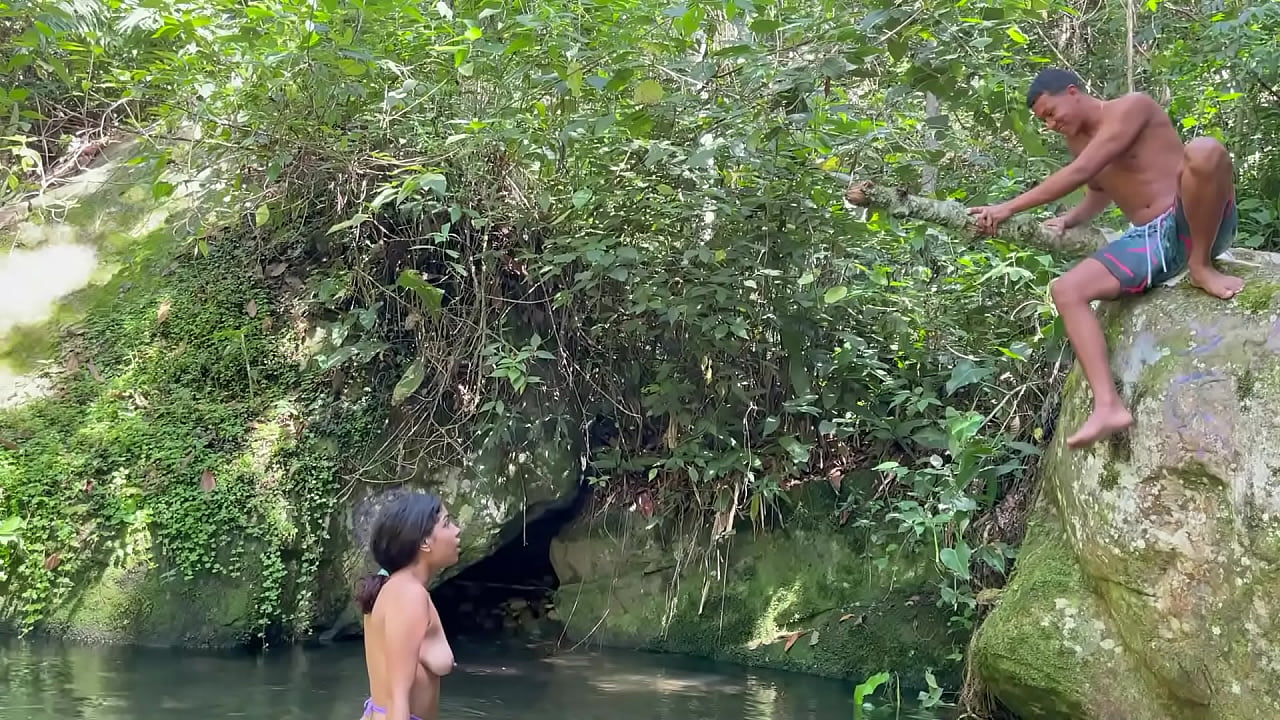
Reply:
x=508, y=595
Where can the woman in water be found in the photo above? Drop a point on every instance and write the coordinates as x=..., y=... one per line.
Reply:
x=405, y=649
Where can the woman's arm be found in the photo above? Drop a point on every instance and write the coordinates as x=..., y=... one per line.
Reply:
x=406, y=626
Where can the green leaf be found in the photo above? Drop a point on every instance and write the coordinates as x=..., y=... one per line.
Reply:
x=581, y=197
x=435, y=182
x=432, y=297
x=342, y=355
x=764, y=25
x=689, y=22
x=409, y=382
x=648, y=92
x=701, y=157
x=1016, y=35
x=358, y=219
x=770, y=424
x=351, y=67
x=573, y=80
x=522, y=41
x=865, y=689
x=835, y=294
x=1025, y=448
x=10, y=528
x=956, y=559
x=799, y=451
x=261, y=215
x=966, y=373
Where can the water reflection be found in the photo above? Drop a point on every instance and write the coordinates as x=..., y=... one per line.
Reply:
x=45, y=680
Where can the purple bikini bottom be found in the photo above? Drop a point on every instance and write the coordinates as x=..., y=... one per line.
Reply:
x=371, y=709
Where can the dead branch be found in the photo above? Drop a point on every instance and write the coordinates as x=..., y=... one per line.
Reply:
x=1077, y=242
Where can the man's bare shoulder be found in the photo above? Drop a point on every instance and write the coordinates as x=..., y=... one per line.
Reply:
x=1131, y=106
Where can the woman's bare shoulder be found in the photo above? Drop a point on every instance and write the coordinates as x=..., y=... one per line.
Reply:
x=401, y=598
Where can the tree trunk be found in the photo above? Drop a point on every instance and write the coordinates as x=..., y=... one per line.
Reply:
x=1076, y=243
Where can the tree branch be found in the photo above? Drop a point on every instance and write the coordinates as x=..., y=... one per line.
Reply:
x=1078, y=242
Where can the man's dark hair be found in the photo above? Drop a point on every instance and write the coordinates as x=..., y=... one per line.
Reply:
x=1053, y=81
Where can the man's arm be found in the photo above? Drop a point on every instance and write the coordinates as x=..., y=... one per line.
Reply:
x=1094, y=202
x=1119, y=128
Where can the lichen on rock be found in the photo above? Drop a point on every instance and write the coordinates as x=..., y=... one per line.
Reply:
x=1163, y=540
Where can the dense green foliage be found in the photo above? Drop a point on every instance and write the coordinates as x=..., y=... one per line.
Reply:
x=182, y=421
x=631, y=204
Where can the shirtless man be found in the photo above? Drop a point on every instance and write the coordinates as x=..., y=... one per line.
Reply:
x=1179, y=199
x=406, y=650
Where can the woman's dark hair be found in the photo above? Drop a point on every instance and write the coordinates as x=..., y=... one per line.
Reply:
x=397, y=533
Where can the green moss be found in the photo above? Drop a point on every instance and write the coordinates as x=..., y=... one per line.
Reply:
x=1257, y=295
x=1246, y=384
x=1019, y=650
x=139, y=605
x=1154, y=378
x=179, y=413
x=854, y=619
x=1195, y=475
x=1110, y=477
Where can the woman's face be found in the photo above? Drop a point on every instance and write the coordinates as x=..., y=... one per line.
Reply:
x=442, y=543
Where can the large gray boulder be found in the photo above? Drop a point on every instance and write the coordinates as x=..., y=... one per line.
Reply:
x=1148, y=585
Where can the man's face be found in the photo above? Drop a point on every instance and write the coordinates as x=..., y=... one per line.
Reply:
x=1060, y=112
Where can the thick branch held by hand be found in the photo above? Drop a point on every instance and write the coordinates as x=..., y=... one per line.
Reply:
x=1076, y=242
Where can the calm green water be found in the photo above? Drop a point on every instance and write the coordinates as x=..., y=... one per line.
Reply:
x=44, y=680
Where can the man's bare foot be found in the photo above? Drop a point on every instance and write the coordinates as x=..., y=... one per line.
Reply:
x=1216, y=283
x=1102, y=423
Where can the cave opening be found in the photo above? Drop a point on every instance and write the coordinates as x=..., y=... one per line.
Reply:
x=509, y=594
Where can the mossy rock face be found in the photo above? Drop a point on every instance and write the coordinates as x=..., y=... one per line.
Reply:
x=506, y=481
x=1048, y=649
x=805, y=598
x=1163, y=544
x=96, y=251
x=132, y=366
x=138, y=605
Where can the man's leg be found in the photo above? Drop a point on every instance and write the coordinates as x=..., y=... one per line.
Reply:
x=1205, y=186
x=1072, y=293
